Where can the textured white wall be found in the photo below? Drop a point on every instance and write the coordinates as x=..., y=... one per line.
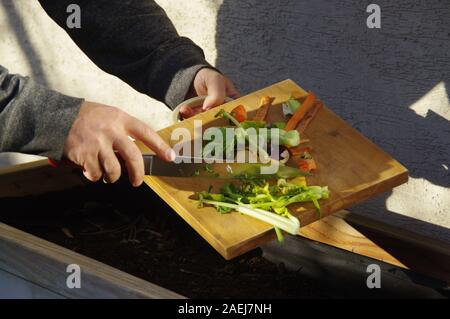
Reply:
x=391, y=84
x=32, y=44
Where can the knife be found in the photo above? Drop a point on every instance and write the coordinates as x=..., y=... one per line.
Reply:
x=198, y=167
x=187, y=166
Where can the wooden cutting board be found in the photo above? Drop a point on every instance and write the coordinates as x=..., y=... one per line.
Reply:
x=353, y=168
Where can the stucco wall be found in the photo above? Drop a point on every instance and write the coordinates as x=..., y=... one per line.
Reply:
x=391, y=83
x=32, y=44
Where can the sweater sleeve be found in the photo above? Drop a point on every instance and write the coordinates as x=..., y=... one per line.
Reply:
x=34, y=119
x=135, y=41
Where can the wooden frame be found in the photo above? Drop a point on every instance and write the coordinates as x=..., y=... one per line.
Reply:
x=378, y=240
x=39, y=263
x=44, y=264
x=37, y=177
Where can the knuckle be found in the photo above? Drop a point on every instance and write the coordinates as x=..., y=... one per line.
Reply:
x=145, y=130
x=82, y=155
x=135, y=159
x=110, y=131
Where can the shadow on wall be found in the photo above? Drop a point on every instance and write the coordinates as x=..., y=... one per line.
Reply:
x=370, y=77
x=16, y=24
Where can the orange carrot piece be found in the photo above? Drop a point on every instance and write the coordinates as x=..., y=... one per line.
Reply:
x=304, y=140
x=299, y=150
x=239, y=113
x=312, y=164
x=301, y=111
x=307, y=165
x=265, y=104
x=301, y=127
x=303, y=165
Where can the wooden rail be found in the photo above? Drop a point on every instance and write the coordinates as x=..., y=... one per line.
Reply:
x=44, y=264
x=381, y=241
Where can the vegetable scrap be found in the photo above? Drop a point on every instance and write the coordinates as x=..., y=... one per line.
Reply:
x=260, y=198
x=266, y=202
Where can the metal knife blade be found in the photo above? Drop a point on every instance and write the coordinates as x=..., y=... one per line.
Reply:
x=187, y=167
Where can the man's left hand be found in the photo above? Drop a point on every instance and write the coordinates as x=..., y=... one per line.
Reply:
x=214, y=86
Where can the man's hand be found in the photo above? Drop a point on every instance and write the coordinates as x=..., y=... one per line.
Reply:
x=100, y=130
x=212, y=84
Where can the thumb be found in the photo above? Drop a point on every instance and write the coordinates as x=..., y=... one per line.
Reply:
x=216, y=93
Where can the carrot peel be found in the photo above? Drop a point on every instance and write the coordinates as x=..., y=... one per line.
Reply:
x=239, y=113
x=265, y=104
x=301, y=111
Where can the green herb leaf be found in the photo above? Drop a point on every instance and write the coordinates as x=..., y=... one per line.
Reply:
x=293, y=104
x=267, y=202
x=254, y=124
x=280, y=125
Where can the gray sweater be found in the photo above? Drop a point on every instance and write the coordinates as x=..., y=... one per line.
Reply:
x=132, y=39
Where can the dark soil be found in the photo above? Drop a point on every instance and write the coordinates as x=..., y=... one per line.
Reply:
x=135, y=231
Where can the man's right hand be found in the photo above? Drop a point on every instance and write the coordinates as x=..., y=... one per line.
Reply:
x=100, y=130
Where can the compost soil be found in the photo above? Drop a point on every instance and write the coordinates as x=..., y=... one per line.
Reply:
x=133, y=230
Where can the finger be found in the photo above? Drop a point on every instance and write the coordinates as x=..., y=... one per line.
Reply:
x=132, y=157
x=150, y=138
x=216, y=92
x=186, y=111
x=91, y=168
x=110, y=165
x=197, y=109
x=231, y=90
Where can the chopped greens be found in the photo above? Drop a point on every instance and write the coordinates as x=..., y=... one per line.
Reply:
x=280, y=125
x=242, y=131
x=250, y=194
x=227, y=150
x=261, y=200
x=289, y=138
x=254, y=124
x=207, y=167
x=293, y=104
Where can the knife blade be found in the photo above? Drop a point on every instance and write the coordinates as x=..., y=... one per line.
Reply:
x=188, y=167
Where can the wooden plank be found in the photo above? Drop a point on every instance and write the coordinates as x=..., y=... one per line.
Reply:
x=380, y=241
x=334, y=230
x=353, y=168
x=43, y=263
x=345, y=272
x=13, y=287
x=37, y=177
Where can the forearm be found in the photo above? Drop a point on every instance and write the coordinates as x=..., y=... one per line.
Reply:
x=135, y=41
x=33, y=119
